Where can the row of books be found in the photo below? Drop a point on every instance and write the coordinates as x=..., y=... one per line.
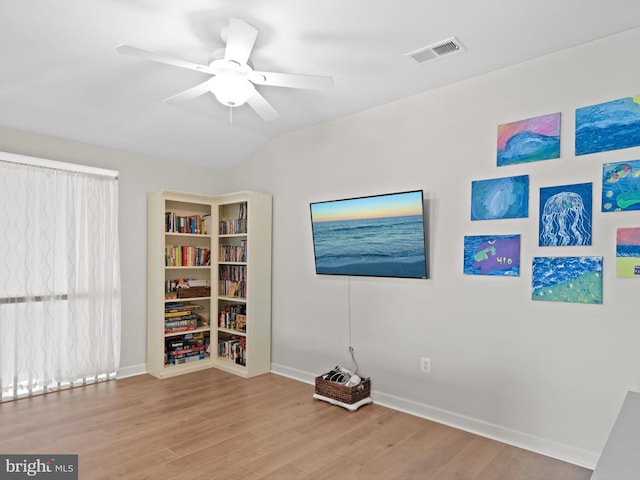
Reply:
x=194, y=224
x=186, y=348
x=233, y=317
x=234, y=253
x=236, y=273
x=236, y=225
x=232, y=281
x=233, y=348
x=229, y=288
x=187, y=256
x=232, y=227
x=182, y=317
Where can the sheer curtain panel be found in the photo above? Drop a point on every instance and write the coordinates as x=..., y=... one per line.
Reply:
x=60, y=282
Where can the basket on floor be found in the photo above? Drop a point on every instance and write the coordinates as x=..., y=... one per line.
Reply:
x=342, y=393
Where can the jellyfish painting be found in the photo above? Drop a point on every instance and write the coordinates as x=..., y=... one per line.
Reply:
x=565, y=215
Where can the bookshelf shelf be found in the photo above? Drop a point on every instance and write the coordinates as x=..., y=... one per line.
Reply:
x=232, y=332
x=227, y=327
x=185, y=267
x=188, y=235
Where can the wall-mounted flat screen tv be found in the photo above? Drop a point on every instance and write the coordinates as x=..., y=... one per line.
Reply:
x=378, y=235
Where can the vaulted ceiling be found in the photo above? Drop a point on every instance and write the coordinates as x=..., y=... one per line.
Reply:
x=60, y=73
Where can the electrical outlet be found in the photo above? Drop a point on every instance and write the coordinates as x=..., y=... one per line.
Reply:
x=425, y=364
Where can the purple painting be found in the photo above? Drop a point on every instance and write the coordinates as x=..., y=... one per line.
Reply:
x=492, y=255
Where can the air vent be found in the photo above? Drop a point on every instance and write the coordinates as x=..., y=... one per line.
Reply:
x=441, y=49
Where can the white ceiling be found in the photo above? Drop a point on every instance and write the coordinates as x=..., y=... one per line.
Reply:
x=60, y=74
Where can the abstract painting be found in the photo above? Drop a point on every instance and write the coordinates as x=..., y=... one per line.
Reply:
x=565, y=215
x=492, y=255
x=500, y=198
x=567, y=279
x=529, y=140
x=628, y=252
x=608, y=126
x=621, y=186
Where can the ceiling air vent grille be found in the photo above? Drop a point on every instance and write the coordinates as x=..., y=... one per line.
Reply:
x=441, y=49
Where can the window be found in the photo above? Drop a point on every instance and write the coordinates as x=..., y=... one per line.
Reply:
x=60, y=281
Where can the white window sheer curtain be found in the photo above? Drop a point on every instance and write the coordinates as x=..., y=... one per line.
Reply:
x=60, y=314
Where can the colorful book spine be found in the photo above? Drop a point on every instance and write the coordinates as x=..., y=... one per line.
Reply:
x=191, y=224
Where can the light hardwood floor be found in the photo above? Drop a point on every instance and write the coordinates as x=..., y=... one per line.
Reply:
x=213, y=425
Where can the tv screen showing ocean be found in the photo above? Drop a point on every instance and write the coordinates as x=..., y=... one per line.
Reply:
x=384, y=247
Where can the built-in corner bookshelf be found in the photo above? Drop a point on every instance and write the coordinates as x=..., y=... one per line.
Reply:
x=209, y=283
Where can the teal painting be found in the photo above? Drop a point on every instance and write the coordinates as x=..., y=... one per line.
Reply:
x=567, y=279
x=608, y=126
x=621, y=186
x=497, y=198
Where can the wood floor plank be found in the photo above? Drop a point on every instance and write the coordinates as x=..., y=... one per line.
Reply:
x=411, y=461
x=214, y=425
x=471, y=460
x=507, y=465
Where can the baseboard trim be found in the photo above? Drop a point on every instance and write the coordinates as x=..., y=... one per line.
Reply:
x=518, y=439
x=132, y=371
x=293, y=373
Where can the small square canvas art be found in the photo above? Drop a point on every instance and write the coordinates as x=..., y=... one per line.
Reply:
x=567, y=279
x=628, y=252
x=529, y=140
x=621, y=186
x=497, y=198
x=565, y=215
x=492, y=255
x=608, y=126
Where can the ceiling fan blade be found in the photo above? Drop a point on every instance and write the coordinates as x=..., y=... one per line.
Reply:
x=156, y=57
x=189, y=94
x=292, y=80
x=240, y=39
x=262, y=107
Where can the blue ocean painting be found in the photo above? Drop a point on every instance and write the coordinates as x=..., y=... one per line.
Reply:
x=500, y=198
x=370, y=236
x=529, y=140
x=565, y=215
x=621, y=186
x=567, y=279
x=492, y=255
x=608, y=126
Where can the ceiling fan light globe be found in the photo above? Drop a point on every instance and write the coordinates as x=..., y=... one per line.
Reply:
x=230, y=90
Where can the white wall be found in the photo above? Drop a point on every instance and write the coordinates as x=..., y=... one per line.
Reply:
x=548, y=376
x=138, y=175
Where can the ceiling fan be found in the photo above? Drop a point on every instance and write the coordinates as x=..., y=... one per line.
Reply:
x=234, y=79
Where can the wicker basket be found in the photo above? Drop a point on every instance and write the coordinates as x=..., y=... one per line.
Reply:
x=193, y=292
x=348, y=395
